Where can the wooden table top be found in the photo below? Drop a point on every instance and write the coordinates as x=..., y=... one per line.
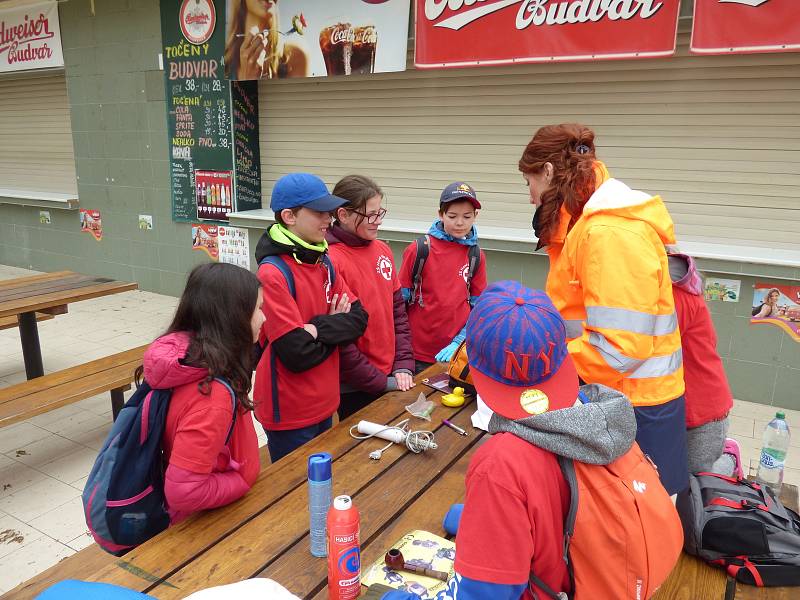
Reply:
x=39, y=292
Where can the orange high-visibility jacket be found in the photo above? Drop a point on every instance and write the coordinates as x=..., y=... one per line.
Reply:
x=610, y=280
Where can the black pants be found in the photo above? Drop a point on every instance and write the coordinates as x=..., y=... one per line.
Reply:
x=420, y=366
x=352, y=402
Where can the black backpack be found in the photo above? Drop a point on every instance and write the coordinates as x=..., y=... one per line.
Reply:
x=742, y=527
x=423, y=249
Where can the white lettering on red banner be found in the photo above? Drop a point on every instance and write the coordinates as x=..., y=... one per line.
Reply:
x=494, y=35
x=744, y=26
x=30, y=37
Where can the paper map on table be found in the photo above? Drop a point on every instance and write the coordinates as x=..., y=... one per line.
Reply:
x=421, y=548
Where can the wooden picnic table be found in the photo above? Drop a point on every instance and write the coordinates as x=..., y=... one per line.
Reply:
x=48, y=293
x=265, y=534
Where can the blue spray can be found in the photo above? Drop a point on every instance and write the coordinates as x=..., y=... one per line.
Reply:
x=319, y=500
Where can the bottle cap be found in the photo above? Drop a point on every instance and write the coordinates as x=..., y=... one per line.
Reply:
x=780, y=415
x=342, y=503
x=319, y=466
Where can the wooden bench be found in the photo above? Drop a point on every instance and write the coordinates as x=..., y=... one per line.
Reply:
x=33, y=397
x=12, y=321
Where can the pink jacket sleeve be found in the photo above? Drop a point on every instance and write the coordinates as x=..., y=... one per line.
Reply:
x=187, y=492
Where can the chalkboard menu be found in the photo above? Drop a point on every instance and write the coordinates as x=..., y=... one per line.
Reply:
x=245, y=144
x=200, y=113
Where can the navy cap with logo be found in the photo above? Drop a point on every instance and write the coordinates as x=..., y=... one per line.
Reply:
x=459, y=191
x=517, y=352
x=297, y=190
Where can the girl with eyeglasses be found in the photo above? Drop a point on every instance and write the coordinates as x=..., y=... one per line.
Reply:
x=381, y=360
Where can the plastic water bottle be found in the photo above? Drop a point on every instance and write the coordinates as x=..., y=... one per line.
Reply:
x=344, y=550
x=319, y=500
x=773, y=452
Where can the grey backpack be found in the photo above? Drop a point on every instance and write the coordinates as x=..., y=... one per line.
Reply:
x=742, y=527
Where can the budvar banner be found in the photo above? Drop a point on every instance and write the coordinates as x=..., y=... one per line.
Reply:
x=30, y=37
x=744, y=26
x=459, y=33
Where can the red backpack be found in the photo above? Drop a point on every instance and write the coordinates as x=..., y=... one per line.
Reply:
x=622, y=534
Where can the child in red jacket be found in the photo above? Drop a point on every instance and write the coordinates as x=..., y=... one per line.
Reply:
x=708, y=395
x=438, y=307
x=380, y=360
x=205, y=467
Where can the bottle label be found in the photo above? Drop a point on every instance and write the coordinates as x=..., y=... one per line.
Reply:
x=772, y=459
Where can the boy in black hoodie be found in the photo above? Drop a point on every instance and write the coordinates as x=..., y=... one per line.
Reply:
x=309, y=310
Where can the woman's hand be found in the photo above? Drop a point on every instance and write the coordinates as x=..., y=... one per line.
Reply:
x=339, y=304
x=251, y=49
x=404, y=381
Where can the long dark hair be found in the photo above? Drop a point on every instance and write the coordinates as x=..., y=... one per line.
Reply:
x=356, y=189
x=216, y=308
x=570, y=149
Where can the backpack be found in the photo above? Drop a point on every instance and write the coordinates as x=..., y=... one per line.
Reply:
x=277, y=262
x=123, y=499
x=458, y=370
x=622, y=536
x=423, y=249
x=742, y=527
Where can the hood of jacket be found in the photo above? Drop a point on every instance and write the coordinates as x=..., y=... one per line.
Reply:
x=615, y=198
x=437, y=230
x=339, y=235
x=163, y=368
x=277, y=240
x=683, y=272
x=597, y=432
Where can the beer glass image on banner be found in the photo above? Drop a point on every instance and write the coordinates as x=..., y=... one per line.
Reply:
x=310, y=38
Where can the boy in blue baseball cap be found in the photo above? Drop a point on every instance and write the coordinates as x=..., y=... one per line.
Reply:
x=517, y=496
x=310, y=312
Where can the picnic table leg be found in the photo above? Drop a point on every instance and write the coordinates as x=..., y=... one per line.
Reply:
x=117, y=401
x=31, y=350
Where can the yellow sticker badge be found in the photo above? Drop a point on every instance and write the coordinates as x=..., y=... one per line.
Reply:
x=534, y=402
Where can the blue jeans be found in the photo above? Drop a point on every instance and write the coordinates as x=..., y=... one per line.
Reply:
x=281, y=443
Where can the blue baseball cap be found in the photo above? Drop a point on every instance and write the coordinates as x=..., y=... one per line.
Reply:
x=459, y=190
x=297, y=190
x=517, y=352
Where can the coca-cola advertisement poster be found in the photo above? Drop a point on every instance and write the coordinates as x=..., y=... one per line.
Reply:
x=744, y=26
x=30, y=37
x=779, y=305
x=462, y=33
x=268, y=39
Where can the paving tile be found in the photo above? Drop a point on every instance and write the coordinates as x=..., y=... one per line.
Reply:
x=77, y=424
x=14, y=534
x=72, y=467
x=20, y=435
x=43, y=451
x=16, y=477
x=82, y=541
x=93, y=438
x=37, y=499
x=64, y=523
x=32, y=559
x=54, y=416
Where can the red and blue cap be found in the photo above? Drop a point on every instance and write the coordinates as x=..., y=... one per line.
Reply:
x=458, y=190
x=517, y=352
x=297, y=190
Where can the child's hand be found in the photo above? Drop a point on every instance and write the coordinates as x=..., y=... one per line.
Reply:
x=312, y=329
x=446, y=353
x=404, y=381
x=339, y=305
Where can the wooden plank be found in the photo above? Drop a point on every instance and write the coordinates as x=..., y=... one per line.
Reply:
x=65, y=297
x=12, y=321
x=39, y=288
x=399, y=475
x=692, y=579
x=56, y=310
x=23, y=281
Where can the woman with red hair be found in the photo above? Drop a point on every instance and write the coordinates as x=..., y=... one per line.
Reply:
x=609, y=278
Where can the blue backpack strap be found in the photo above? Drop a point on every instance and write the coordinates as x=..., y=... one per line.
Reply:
x=326, y=260
x=280, y=264
x=235, y=406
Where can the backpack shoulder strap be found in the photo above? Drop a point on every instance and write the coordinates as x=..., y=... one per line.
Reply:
x=235, y=407
x=423, y=244
x=280, y=264
x=473, y=262
x=326, y=260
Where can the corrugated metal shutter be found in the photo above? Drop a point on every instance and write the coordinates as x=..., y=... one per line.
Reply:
x=718, y=137
x=36, y=152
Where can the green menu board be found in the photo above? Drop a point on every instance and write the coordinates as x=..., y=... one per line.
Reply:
x=200, y=113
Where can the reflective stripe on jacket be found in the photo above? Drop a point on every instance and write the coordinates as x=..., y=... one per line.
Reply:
x=609, y=278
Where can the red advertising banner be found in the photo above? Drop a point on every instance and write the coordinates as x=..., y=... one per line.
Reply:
x=460, y=33
x=744, y=26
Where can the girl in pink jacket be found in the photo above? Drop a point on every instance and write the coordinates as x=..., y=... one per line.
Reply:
x=212, y=458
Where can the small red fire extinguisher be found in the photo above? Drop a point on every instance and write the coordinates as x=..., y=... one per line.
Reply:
x=344, y=551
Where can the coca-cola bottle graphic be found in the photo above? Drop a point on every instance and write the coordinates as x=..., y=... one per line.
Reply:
x=364, y=47
x=336, y=43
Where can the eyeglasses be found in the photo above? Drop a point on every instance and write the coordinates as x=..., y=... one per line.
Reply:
x=371, y=218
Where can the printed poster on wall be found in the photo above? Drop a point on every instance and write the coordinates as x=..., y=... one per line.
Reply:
x=315, y=38
x=779, y=305
x=234, y=246
x=460, y=33
x=30, y=37
x=213, y=194
x=724, y=290
x=91, y=223
x=745, y=26
x=205, y=239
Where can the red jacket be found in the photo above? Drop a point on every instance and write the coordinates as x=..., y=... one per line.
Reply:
x=708, y=395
